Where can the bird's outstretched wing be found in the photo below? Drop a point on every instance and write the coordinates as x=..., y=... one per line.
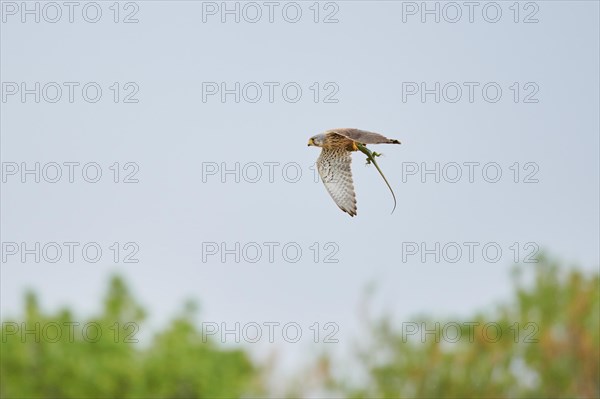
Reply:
x=364, y=137
x=334, y=168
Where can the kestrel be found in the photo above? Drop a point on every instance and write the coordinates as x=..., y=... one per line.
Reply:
x=334, y=162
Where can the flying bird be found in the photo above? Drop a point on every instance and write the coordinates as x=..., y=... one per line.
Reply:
x=334, y=162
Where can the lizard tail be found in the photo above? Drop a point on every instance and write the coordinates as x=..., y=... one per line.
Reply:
x=369, y=155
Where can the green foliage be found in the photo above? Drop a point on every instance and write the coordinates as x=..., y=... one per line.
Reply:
x=549, y=346
x=98, y=358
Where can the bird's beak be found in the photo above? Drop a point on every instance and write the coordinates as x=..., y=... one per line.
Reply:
x=310, y=142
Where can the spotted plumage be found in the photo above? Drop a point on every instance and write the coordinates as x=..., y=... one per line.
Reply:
x=334, y=162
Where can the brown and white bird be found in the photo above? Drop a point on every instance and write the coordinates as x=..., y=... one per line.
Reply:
x=334, y=162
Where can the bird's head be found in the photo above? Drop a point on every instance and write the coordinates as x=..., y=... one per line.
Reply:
x=317, y=140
